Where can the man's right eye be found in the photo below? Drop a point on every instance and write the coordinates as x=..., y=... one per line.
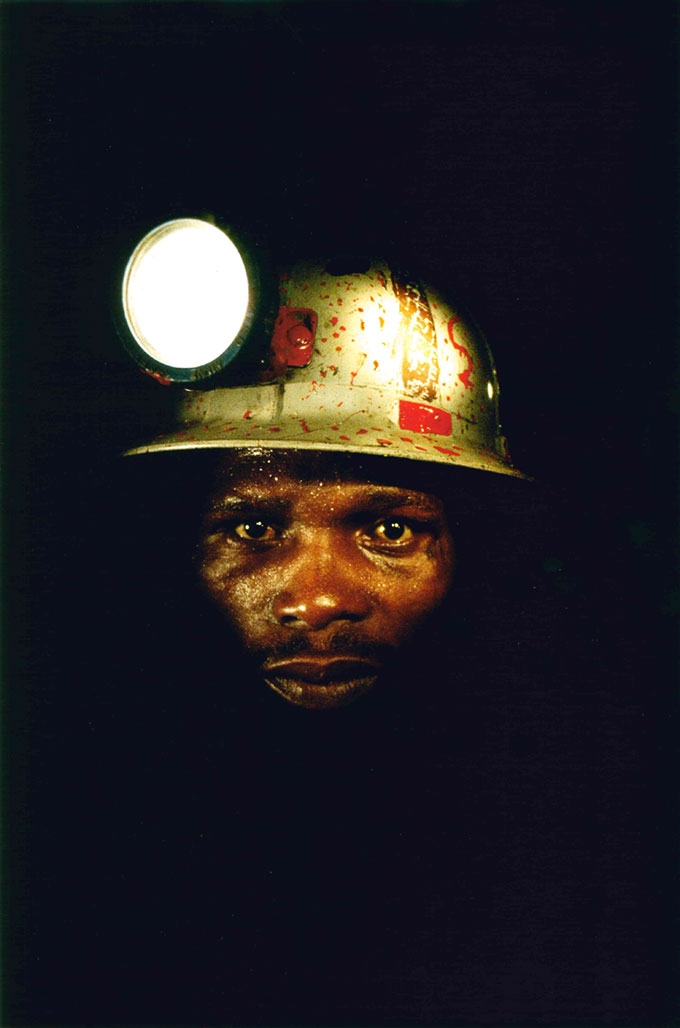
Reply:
x=255, y=531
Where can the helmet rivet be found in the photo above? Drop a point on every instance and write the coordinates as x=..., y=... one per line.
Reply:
x=299, y=336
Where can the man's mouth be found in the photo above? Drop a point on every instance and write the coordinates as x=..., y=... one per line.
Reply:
x=318, y=670
x=316, y=681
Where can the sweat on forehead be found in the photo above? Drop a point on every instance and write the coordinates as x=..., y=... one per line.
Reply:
x=317, y=466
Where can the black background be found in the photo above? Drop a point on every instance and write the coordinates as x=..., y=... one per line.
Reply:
x=524, y=153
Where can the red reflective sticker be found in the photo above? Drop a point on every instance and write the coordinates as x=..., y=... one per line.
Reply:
x=421, y=417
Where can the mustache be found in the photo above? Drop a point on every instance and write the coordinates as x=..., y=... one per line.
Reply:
x=344, y=643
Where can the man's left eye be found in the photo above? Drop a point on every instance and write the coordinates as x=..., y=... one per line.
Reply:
x=393, y=530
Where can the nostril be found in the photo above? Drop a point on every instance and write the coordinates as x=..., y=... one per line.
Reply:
x=290, y=620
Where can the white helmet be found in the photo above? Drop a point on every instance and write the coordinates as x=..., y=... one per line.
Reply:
x=360, y=359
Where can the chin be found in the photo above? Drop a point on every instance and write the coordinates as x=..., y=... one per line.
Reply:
x=316, y=696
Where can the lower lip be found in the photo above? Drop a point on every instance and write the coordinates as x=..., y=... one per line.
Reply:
x=319, y=695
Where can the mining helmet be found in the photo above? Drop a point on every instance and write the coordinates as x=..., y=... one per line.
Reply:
x=358, y=357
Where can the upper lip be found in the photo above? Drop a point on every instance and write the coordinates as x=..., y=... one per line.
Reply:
x=322, y=670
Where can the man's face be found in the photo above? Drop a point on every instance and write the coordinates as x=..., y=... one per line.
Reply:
x=323, y=575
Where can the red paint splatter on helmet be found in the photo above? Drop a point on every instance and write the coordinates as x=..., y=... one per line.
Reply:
x=464, y=375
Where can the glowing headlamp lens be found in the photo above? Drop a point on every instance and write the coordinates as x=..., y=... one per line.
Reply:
x=186, y=294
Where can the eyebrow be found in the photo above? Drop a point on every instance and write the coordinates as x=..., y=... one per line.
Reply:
x=378, y=501
x=394, y=496
x=249, y=504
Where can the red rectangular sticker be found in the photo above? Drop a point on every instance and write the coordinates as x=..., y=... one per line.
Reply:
x=421, y=417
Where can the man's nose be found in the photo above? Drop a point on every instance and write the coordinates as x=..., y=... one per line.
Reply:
x=321, y=585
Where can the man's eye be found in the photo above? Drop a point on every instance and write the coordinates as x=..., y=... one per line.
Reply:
x=393, y=530
x=255, y=531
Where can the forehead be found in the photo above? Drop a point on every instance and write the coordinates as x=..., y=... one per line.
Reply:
x=271, y=469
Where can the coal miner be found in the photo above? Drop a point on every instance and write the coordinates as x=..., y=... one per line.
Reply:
x=323, y=557
x=301, y=716
x=334, y=758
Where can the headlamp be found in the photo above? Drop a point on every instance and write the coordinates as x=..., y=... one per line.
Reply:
x=188, y=300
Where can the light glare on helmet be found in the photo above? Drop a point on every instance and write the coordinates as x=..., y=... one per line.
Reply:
x=185, y=293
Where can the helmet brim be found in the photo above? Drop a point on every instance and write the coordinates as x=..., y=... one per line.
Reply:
x=386, y=441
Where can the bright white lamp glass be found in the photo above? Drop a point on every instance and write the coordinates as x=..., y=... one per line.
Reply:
x=185, y=293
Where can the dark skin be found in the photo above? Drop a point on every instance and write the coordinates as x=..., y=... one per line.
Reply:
x=323, y=572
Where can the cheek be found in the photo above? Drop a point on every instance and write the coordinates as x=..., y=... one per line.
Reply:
x=407, y=598
x=406, y=605
x=441, y=578
x=240, y=596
